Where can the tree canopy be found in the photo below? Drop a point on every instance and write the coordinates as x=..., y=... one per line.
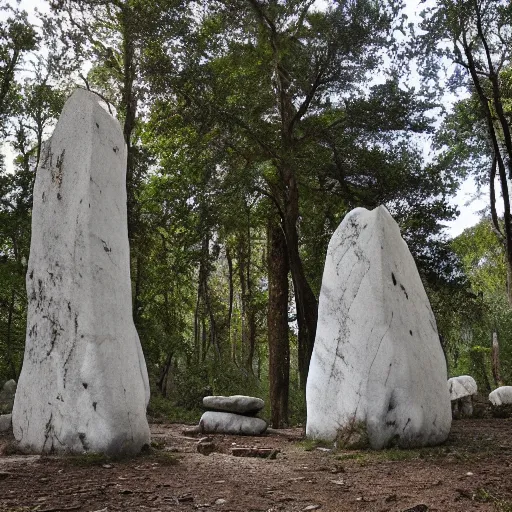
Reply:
x=252, y=128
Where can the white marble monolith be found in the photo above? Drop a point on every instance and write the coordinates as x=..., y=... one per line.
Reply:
x=378, y=374
x=84, y=385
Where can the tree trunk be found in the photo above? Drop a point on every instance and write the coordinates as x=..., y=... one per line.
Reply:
x=495, y=360
x=10, y=351
x=277, y=321
x=129, y=105
x=232, y=342
x=164, y=375
x=305, y=300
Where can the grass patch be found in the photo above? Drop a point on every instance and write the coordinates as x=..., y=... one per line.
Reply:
x=309, y=445
x=91, y=459
x=166, y=458
x=100, y=459
x=485, y=496
x=357, y=456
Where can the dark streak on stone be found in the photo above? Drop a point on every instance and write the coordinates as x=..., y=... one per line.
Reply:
x=81, y=436
x=59, y=196
x=394, y=278
x=410, y=332
x=94, y=404
x=106, y=248
x=84, y=384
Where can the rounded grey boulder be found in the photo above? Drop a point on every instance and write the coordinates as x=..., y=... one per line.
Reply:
x=214, y=422
x=239, y=404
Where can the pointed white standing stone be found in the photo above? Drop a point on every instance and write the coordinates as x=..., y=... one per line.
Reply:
x=84, y=384
x=377, y=374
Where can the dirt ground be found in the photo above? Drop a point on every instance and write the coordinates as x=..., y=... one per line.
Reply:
x=472, y=471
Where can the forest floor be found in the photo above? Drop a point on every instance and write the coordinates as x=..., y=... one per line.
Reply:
x=472, y=471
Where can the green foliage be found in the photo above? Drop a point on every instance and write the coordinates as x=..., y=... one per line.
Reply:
x=486, y=308
x=225, y=110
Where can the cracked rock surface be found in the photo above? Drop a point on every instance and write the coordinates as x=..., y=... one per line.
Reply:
x=377, y=375
x=84, y=384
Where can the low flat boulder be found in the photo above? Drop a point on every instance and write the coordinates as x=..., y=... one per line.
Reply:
x=501, y=396
x=239, y=404
x=5, y=422
x=501, y=400
x=216, y=422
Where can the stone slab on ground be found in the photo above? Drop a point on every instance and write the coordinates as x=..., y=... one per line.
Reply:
x=84, y=384
x=378, y=374
x=214, y=422
x=239, y=404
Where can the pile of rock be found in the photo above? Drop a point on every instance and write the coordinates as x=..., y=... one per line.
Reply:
x=462, y=389
x=235, y=415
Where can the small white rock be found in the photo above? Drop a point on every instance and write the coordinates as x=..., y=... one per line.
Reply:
x=501, y=396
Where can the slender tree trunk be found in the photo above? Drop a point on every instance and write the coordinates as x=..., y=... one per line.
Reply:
x=498, y=159
x=277, y=321
x=232, y=342
x=129, y=104
x=495, y=360
x=251, y=313
x=164, y=375
x=305, y=300
x=8, y=341
x=137, y=303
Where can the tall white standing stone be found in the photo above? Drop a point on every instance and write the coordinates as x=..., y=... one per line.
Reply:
x=377, y=374
x=84, y=384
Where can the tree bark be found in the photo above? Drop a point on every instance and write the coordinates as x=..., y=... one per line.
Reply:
x=10, y=350
x=495, y=360
x=277, y=321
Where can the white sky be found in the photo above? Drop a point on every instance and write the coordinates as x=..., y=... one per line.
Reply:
x=468, y=208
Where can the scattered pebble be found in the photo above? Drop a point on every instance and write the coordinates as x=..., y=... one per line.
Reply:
x=469, y=473
x=220, y=501
x=312, y=507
